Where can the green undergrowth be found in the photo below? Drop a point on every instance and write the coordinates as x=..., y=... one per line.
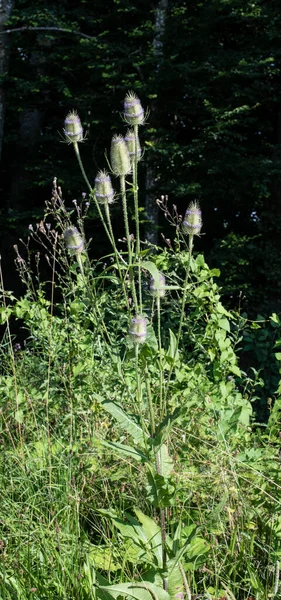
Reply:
x=132, y=463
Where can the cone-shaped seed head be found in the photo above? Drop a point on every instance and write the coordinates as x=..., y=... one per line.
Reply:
x=158, y=288
x=73, y=240
x=138, y=330
x=131, y=145
x=73, y=129
x=103, y=188
x=192, y=222
x=133, y=110
x=119, y=155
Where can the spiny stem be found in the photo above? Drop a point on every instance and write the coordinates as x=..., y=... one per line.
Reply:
x=126, y=222
x=77, y=152
x=136, y=206
x=135, y=188
x=163, y=526
x=160, y=353
x=93, y=300
x=139, y=392
x=108, y=217
x=190, y=246
x=150, y=403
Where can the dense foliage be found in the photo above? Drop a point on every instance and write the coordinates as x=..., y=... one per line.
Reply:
x=132, y=461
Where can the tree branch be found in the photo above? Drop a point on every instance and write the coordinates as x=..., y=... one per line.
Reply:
x=62, y=29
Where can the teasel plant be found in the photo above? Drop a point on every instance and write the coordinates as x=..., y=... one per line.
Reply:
x=73, y=132
x=121, y=166
x=151, y=435
x=134, y=115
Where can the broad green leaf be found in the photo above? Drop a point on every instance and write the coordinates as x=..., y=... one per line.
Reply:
x=173, y=350
x=151, y=267
x=125, y=421
x=136, y=591
x=153, y=534
x=224, y=324
x=166, y=464
x=141, y=544
x=126, y=450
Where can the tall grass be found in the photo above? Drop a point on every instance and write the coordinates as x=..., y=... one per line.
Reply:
x=131, y=463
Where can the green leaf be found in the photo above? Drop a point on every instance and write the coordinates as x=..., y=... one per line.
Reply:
x=153, y=534
x=151, y=267
x=125, y=421
x=103, y=558
x=124, y=449
x=224, y=324
x=166, y=464
x=173, y=350
x=19, y=416
x=136, y=591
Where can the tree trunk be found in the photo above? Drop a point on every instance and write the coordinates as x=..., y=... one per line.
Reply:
x=6, y=7
x=151, y=207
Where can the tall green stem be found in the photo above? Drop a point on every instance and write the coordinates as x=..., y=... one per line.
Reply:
x=107, y=213
x=136, y=189
x=93, y=299
x=190, y=246
x=150, y=403
x=139, y=393
x=77, y=152
x=136, y=206
x=126, y=221
x=160, y=355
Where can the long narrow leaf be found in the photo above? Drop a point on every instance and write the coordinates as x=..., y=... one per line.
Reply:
x=126, y=450
x=125, y=421
x=142, y=591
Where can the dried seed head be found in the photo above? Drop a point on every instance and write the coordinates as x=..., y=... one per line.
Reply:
x=119, y=155
x=73, y=129
x=192, y=222
x=158, y=288
x=133, y=110
x=131, y=145
x=138, y=329
x=103, y=188
x=73, y=240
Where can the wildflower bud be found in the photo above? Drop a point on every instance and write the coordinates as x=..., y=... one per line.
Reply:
x=131, y=145
x=158, y=288
x=133, y=110
x=73, y=240
x=120, y=160
x=103, y=189
x=73, y=129
x=192, y=222
x=138, y=330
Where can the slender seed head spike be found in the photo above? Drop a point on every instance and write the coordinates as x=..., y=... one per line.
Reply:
x=104, y=191
x=192, y=222
x=73, y=241
x=158, y=288
x=73, y=129
x=119, y=155
x=138, y=330
x=131, y=145
x=133, y=110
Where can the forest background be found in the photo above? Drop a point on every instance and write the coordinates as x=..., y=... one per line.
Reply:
x=209, y=74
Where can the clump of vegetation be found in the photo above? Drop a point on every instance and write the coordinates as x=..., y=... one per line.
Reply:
x=131, y=462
